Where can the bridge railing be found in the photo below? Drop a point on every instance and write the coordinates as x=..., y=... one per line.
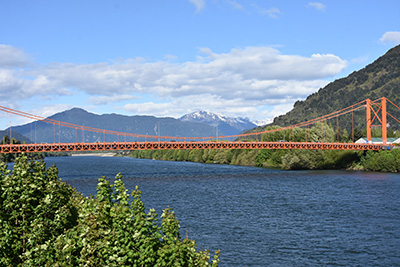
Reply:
x=113, y=146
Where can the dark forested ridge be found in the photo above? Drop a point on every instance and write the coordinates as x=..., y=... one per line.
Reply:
x=379, y=79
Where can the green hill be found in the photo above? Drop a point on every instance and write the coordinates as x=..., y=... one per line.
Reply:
x=379, y=79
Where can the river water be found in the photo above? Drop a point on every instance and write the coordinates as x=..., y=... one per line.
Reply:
x=263, y=217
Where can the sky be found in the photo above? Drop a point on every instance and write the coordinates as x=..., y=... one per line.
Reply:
x=167, y=58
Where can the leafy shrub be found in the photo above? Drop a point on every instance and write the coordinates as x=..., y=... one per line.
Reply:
x=35, y=208
x=46, y=222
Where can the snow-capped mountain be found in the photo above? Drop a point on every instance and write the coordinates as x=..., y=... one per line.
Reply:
x=263, y=122
x=223, y=124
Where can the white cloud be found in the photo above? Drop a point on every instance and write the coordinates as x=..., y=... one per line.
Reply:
x=390, y=37
x=150, y=108
x=200, y=4
x=237, y=102
x=12, y=57
x=48, y=110
x=233, y=83
x=267, y=63
x=43, y=111
x=9, y=82
x=317, y=5
x=272, y=12
x=180, y=106
x=235, y=5
x=101, y=100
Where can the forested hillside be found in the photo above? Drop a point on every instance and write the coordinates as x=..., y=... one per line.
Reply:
x=379, y=79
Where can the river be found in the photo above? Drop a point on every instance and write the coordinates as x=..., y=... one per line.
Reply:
x=263, y=217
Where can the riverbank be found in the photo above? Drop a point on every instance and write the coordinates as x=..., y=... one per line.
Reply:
x=382, y=161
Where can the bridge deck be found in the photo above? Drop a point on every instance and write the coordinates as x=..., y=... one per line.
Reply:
x=107, y=146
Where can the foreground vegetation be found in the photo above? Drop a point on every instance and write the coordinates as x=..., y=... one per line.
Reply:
x=388, y=160
x=45, y=222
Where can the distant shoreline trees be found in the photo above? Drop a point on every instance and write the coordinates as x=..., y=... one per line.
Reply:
x=288, y=159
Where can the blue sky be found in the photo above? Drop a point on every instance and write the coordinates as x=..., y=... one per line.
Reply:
x=243, y=58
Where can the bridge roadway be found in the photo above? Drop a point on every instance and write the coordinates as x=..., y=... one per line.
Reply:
x=157, y=145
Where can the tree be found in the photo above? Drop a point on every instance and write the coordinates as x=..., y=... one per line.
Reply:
x=273, y=135
x=344, y=137
x=35, y=208
x=357, y=134
x=262, y=156
x=322, y=132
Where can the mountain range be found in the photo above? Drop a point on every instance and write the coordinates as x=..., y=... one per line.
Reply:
x=205, y=124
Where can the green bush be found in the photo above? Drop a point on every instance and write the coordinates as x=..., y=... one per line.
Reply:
x=47, y=223
x=35, y=208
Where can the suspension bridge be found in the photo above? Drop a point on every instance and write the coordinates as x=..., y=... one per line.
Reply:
x=375, y=111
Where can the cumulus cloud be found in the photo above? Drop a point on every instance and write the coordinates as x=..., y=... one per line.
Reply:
x=101, y=100
x=251, y=69
x=9, y=82
x=200, y=4
x=272, y=12
x=179, y=106
x=42, y=111
x=318, y=6
x=232, y=83
x=12, y=57
x=48, y=110
x=390, y=37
